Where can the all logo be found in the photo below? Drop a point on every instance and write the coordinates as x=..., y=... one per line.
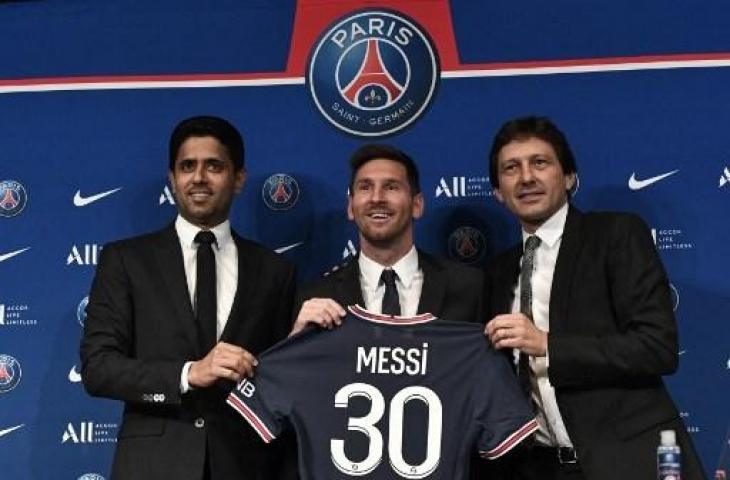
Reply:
x=89, y=432
x=280, y=191
x=166, y=196
x=12, y=198
x=373, y=73
x=10, y=373
x=467, y=245
x=16, y=315
x=86, y=254
x=463, y=187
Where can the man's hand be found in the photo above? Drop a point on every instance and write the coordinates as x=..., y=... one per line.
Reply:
x=223, y=361
x=324, y=312
x=515, y=330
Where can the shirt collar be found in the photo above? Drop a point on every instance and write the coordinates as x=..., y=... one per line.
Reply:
x=406, y=268
x=552, y=230
x=186, y=231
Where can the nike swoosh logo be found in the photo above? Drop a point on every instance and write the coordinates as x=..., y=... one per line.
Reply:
x=635, y=184
x=288, y=247
x=11, y=429
x=73, y=375
x=8, y=255
x=81, y=201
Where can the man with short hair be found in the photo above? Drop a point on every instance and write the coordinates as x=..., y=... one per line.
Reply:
x=175, y=317
x=584, y=302
x=390, y=275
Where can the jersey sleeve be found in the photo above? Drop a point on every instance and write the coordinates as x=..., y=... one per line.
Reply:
x=505, y=417
x=262, y=401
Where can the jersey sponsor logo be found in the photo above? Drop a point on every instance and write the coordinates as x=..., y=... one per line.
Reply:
x=81, y=310
x=373, y=73
x=82, y=201
x=6, y=431
x=280, y=192
x=13, y=198
x=636, y=184
x=467, y=245
x=10, y=373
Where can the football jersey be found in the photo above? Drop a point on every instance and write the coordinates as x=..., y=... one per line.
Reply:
x=383, y=397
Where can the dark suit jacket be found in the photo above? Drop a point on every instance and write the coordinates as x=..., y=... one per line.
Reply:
x=139, y=332
x=451, y=291
x=612, y=337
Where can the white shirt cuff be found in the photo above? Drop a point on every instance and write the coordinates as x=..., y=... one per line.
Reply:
x=184, y=385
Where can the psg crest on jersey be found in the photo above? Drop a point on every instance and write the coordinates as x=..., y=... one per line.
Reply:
x=373, y=73
x=280, y=191
x=12, y=198
x=9, y=373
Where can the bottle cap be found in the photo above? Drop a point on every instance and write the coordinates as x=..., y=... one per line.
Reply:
x=668, y=438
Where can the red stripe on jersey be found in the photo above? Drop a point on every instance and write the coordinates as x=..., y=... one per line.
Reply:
x=507, y=445
x=360, y=312
x=251, y=418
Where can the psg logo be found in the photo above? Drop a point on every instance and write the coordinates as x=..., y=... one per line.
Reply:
x=9, y=373
x=373, y=73
x=280, y=191
x=81, y=310
x=467, y=245
x=12, y=198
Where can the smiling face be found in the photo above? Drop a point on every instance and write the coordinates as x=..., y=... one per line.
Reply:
x=204, y=181
x=532, y=184
x=383, y=206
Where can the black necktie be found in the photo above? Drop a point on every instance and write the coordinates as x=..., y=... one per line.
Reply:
x=205, y=296
x=528, y=263
x=391, y=304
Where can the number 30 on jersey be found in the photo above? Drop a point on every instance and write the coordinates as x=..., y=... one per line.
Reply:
x=366, y=426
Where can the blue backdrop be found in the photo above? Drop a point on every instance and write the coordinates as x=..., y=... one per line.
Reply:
x=89, y=93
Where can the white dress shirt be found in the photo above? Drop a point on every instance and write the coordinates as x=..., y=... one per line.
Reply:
x=226, y=268
x=409, y=283
x=552, y=429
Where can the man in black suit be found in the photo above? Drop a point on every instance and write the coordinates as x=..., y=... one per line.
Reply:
x=384, y=201
x=587, y=310
x=170, y=338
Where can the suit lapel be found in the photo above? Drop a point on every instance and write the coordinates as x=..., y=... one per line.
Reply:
x=433, y=291
x=564, y=267
x=248, y=268
x=348, y=284
x=169, y=257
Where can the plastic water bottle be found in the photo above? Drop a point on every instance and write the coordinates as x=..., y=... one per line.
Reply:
x=668, y=457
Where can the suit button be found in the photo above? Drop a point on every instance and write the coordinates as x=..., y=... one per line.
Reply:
x=199, y=422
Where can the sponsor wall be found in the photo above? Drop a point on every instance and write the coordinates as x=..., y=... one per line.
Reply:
x=90, y=93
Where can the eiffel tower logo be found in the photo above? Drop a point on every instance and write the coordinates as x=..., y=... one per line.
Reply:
x=372, y=72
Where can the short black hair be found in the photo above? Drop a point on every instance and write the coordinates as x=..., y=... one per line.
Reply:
x=523, y=128
x=208, y=126
x=374, y=151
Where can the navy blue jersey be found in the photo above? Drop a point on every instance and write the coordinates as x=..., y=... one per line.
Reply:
x=387, y=397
